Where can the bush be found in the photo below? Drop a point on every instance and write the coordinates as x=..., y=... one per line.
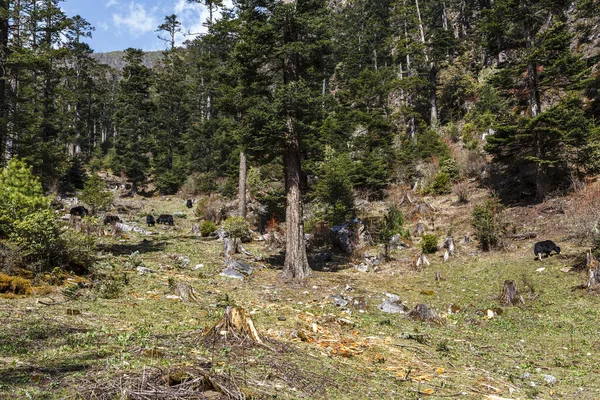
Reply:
x=393, y=224
x=441, y=184
x=450, y=167
x=429, y=244
x=487, y=223
x=21, y=194
x=236, y=227
x=209, y=208
x=462, y=191
x=44, y=245
x=15, y=285
x=207, y=227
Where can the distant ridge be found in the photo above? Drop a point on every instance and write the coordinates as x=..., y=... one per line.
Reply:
x=114, y=59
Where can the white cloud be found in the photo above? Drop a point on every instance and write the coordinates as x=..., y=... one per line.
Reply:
x=110, y=3
x=136, y=19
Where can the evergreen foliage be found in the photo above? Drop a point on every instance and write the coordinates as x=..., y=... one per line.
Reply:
x=95, y=195
x=334, y=188
x=487, y=223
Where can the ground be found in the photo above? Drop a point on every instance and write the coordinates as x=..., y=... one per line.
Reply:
x=131, y=338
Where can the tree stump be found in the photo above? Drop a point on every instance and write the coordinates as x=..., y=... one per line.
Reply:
x=422, y=260
x=196, y=229
x=510, y=293
x=234, y=323
x=593, y=270
x=467, y=238
x=186, y=293
x=424, y=313
x=420, y=229
x=449, y=245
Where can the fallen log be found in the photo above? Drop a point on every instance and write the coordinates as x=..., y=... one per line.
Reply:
x=522, y=236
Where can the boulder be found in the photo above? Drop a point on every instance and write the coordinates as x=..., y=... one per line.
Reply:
x=236, y=269
x=396, y=242
x=393, y=307
x=348, y=236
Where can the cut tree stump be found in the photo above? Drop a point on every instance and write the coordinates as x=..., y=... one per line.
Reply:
x=449, y=245
x=186, y=293
x=593, y=270
x=422, y=260
x=510, y=293
x=235, y=323
x=424, y=313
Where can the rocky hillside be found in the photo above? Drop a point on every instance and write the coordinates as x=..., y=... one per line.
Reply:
x=115, y=59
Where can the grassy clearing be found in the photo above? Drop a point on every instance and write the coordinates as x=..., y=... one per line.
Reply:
x=129, y=333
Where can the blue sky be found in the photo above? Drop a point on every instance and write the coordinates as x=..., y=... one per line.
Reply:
x=132, y=23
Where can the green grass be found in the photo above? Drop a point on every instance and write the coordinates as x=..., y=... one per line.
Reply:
x=48, y=354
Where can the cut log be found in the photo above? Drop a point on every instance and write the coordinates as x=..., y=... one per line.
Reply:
x=593, y=270
x=522, y=236
x=510, y=293
x=234, y=323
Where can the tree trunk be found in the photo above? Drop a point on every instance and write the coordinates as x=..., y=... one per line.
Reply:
x=433, y=96
x=242, y=184
x=296, y=261
x=4, y=5
x=535, y=108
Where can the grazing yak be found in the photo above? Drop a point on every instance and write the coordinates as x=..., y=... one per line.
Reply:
x=165, y=219
x=149, y=220
x=79, y=211
x=545, y=247
x=189, y=204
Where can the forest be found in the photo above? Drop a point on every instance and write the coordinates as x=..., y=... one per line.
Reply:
x=420, y=120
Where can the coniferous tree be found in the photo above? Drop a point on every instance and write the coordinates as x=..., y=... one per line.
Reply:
x=133, y=120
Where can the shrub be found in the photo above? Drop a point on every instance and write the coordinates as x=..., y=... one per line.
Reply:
x=236, y=227
x=20, y=194
x=450, y=167
x=207, y=227
x=95, y=194
x=441, y=184
x=393, y=224
x=15, y=285
x=209, y=208
x=429, y=244
x=487, y=223
x=44, y=245
x=462, y=191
